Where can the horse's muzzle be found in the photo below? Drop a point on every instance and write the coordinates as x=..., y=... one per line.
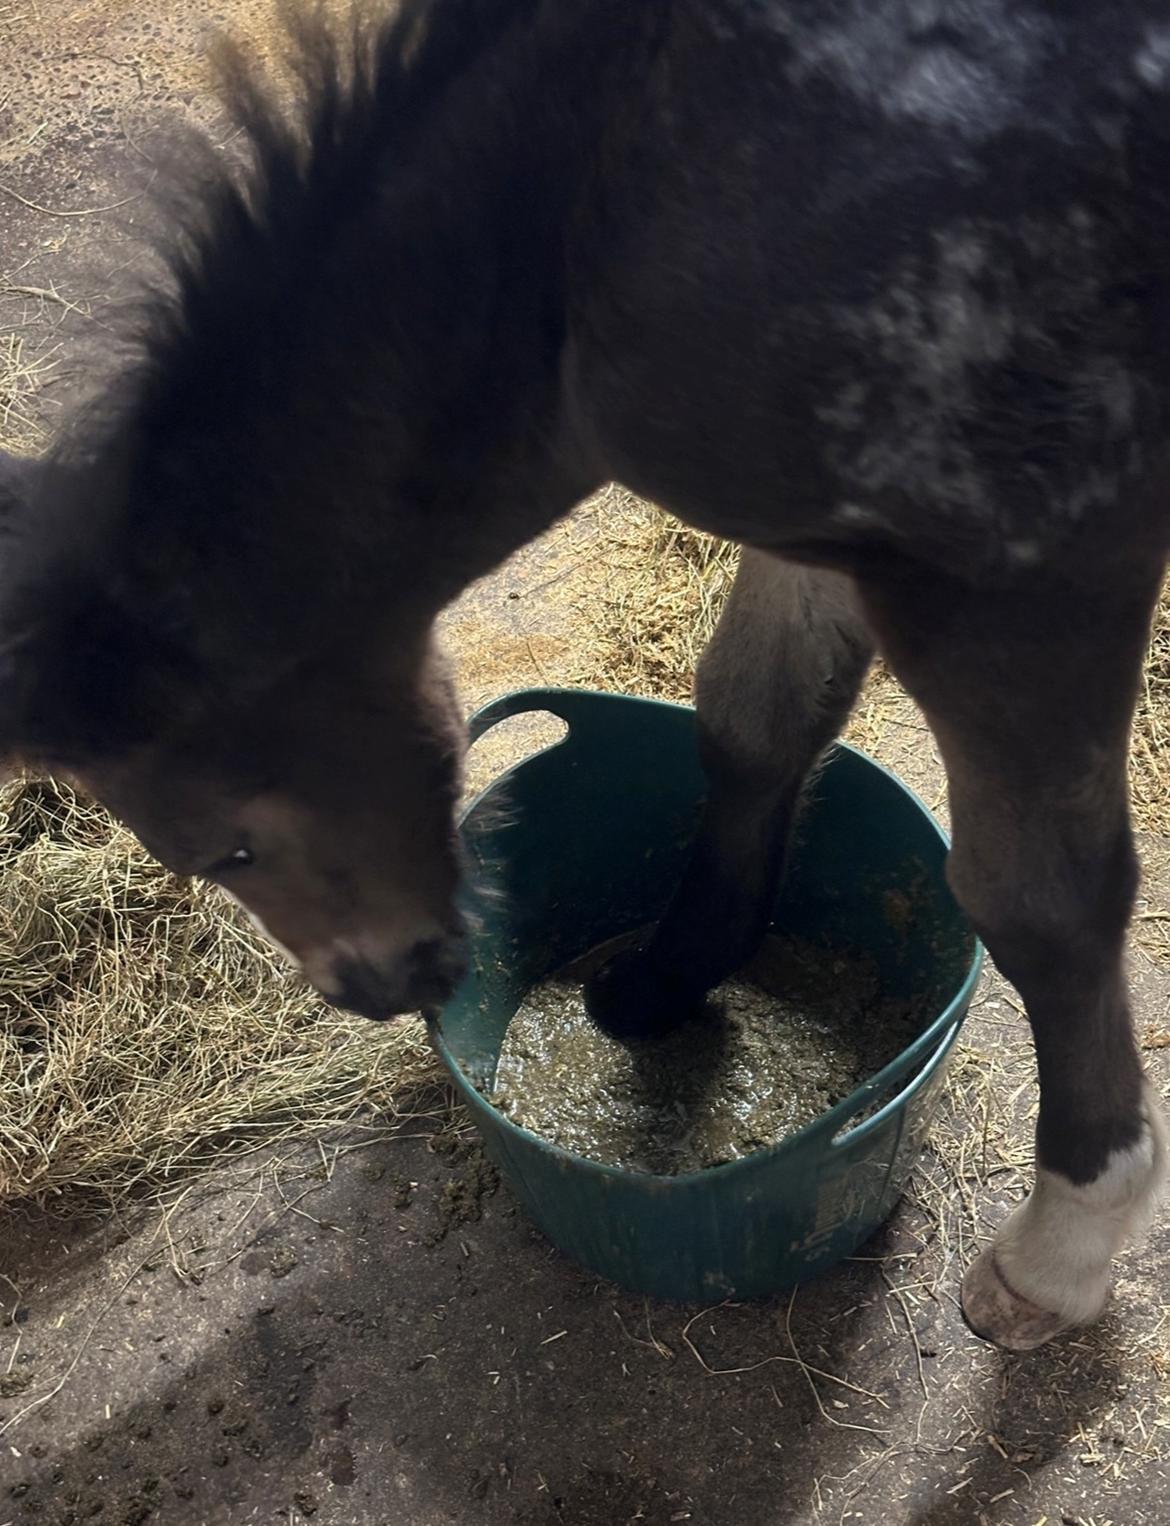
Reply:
x=419, y=981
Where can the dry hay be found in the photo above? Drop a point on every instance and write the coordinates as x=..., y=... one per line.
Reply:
x=1150, y=758
x=662, y=594
x=147, y=1030
x=663, y=589
x=20, y=379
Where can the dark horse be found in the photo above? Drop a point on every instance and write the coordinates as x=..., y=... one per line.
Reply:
x=878, y=288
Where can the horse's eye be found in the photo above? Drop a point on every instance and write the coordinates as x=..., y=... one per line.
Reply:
x=240, y=859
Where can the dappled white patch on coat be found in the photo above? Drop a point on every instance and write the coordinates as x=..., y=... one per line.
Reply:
x=855, y=514
x=1098, y=488
x=931, y=331
x=970, y=319
x=1118, y=394
x=1151, y=62
x=1024, y=553
x=949, y=65
x=846, y=411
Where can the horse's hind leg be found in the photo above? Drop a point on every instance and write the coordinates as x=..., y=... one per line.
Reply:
x=1030, y=699
x=772, y=691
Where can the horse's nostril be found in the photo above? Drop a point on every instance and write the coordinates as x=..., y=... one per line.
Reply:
x=428, y=955
x=418, y=980
x=362, y=989
x=435, y=967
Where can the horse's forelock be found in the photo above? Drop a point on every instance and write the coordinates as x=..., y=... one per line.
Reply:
x=246, y=228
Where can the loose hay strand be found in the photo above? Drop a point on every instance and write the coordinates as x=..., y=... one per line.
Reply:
x=20, y=380
x=1149, y=770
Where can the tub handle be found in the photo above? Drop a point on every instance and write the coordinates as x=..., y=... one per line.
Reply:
x=580, y=709
x=563, y=703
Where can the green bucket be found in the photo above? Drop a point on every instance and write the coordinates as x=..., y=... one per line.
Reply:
x=586, y=840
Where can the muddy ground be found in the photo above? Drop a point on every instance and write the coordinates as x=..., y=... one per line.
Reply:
x=366, y=1330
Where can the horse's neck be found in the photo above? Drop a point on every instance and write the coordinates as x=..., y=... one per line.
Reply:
x=388, y=396
x=517, y=148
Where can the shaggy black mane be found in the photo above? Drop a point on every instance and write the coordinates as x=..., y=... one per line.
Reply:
x=359, y=322
x=319, y=135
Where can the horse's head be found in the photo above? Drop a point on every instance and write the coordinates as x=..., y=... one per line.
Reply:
x=315, y=784
x=345, y=398
x=324, y=805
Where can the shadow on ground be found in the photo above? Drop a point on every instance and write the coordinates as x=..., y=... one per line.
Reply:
x=383, y=1338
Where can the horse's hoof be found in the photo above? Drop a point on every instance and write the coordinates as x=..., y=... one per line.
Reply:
x=629, y=998
x=997, y=1313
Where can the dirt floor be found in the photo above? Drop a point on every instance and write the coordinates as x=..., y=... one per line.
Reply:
x=364, y=1329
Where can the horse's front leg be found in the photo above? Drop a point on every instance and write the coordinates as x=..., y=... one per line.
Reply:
x=773, y=689
x=1030, y=696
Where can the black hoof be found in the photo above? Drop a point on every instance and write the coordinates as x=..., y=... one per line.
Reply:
x=630, y=998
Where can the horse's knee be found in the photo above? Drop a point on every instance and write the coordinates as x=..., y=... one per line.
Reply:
x=780, y=672
x=1046, y=909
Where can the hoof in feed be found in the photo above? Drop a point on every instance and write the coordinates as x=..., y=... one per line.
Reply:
x=996, y=1313
x=629, y=998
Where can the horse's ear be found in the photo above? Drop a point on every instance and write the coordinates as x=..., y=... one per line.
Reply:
x=85, y=681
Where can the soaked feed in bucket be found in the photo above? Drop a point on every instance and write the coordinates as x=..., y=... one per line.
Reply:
x=795, y=1032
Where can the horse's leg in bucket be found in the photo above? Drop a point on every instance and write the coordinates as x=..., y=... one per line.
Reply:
x=773, y=689
x=1030, y=696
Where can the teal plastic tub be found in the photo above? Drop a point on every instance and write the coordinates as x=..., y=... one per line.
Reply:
x=586, y=840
